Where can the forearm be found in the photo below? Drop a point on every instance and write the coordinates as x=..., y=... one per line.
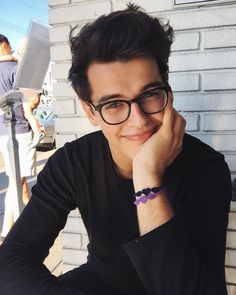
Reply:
x=150, y=164
x=167, y=262
x=31, y=119
x=22, y=276
x=34, y=124
x=27, y=245
x=186, y=254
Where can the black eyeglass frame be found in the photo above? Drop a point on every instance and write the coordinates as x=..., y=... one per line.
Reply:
x=137, y=99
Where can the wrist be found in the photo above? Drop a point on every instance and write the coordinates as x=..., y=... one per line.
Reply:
x=145, y=178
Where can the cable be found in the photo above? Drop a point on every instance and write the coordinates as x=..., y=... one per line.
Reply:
x=11, y=24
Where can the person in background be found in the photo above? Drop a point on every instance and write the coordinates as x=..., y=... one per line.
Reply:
x=154, y=200
x=34, y=101
x=25, y=123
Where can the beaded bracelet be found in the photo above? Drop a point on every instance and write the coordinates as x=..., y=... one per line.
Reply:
x=148, y=194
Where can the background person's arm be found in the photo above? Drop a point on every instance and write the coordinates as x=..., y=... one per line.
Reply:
x=31, y=118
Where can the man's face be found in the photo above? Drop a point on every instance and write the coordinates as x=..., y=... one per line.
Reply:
x=124, y=80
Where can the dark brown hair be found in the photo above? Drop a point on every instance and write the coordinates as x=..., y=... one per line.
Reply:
x=121, y=35
x=4, y=39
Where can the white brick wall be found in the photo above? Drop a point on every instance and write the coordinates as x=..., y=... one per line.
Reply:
x=217, y=38
x=202, y=76
x=220, y=80
x=82, y=11
x=186, y=41
x=185, y=81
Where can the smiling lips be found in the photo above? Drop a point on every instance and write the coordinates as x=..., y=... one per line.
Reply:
x=143, y=136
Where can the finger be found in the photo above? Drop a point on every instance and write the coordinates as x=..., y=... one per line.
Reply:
x=169, y=116
x=170, y=100
x=179, y=130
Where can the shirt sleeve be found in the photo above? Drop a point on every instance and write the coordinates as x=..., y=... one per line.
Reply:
x=22, y=253
x=186, y=255
x=13, y=74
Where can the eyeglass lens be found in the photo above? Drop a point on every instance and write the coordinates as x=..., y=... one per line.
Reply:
x=118, y=111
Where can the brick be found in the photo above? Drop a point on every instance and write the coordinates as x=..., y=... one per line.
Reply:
x=68, y=267
x=60, y=71
x=85, y=241
x=79, y=108
x=64, y=136
x=61, y=139
x=74, y=225
x=205, y=102
x=148, y=6
x=59, y=34
x=58, y=2
x=60, y=52
x=231, y=239
x=233, y=204
x=230, y=274
x=186, y=41
x=64, y=107
x=202, y=60
x=73, y=124
x=231, y=289
x=218, y=122
x=220, y=80
x=221, y=142
x=206, y=17
x=77, y=13
x=230, y=257
x=74, y=213
x=232, y=224
x=184, y=81
x=62, y=89
x=220, y=38
x=188, y=2
x=74, y=256
x=71, y=240
x=78, y=1
x=231, y=161
x=192, y=121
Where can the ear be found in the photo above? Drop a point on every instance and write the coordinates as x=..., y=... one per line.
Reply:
x=90, y=113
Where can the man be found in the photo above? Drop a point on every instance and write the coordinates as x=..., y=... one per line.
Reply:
x=24, y=122
x=154, y=201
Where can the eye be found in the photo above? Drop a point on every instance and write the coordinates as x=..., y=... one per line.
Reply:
x=158, y=93
x=112, y=105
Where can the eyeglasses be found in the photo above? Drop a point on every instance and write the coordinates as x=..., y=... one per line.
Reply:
x=118, y=111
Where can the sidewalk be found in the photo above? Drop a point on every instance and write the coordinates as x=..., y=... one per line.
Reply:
x=53, y=261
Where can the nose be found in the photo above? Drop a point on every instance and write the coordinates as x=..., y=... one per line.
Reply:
x=137, y=116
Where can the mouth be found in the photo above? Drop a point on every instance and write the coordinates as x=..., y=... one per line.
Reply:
x=140, y=136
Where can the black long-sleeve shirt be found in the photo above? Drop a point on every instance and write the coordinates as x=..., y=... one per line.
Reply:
x=184, y=256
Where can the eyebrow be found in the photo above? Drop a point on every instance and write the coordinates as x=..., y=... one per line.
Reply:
x=146, y=87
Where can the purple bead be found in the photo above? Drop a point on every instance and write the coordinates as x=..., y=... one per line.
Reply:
x=136, y=202
x=143, y=199
x=152, y=196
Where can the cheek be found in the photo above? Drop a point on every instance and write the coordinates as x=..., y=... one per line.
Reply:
x=110, y=131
